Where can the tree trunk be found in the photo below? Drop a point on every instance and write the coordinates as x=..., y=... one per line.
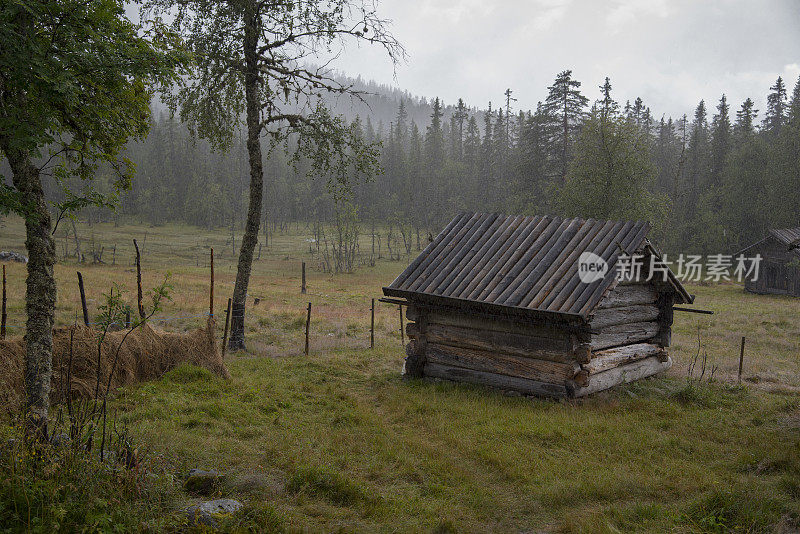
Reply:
x=250, y=238
x=40, y=296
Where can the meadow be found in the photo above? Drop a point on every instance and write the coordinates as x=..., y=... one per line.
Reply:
x=337, y=441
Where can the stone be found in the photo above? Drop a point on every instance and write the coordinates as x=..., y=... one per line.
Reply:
x=211, y=512
x=6, y=255
x=202, y=482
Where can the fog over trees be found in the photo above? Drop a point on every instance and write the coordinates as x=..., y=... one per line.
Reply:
x=712, y=180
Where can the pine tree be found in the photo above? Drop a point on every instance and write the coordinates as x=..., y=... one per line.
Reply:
x=776, y=108
x=565, y=104
x=745, y=121
x=720, y=142
x=459, y=116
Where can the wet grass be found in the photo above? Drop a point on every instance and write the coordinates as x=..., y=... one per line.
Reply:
x=336, y=441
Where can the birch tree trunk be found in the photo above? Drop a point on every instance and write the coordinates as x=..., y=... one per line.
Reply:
x=40, y=296
x=253, y=111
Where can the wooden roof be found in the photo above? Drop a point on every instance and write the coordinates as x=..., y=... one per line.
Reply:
x=786, y=236
x=528, y=264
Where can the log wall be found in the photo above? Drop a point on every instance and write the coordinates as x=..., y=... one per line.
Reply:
x=624, y=340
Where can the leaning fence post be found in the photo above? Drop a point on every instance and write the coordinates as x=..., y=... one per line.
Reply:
x=225, y=332
x=139, y=279
x=83, y=300
x=303, y=283
x=3, y=315
x=741, y=359
x=372, y=326
x=211, y=295
x=308, y=326
x=402, y=333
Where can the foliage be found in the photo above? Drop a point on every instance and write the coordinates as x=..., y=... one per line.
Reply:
x=611, y=174
x=60, y=488
x=77, y=82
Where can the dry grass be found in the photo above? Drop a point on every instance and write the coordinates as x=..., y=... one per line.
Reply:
x=336, y=441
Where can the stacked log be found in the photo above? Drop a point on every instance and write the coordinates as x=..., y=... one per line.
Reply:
x=531, y=359
x=625, y=339
x=628, y=314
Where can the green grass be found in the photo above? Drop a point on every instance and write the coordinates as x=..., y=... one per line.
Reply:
x=336, y=441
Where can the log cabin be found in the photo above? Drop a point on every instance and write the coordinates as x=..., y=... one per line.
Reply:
x=779, y=270
x=500, y=301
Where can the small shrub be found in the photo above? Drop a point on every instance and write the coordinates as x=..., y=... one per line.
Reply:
x=64, y=489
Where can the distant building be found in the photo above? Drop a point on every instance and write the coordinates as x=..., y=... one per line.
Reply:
x=533, y=304
x=779, y=271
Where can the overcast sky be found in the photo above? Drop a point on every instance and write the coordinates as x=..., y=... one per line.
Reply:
x=672, y=53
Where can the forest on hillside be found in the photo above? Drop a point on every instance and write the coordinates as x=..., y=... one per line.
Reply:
x=711, y=181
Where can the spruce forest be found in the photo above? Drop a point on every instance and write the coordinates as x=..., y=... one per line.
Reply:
x=718, y=177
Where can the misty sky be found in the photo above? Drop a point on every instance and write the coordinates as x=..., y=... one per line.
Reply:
x=672, y=53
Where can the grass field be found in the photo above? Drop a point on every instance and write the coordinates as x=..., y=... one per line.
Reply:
x=336, y=441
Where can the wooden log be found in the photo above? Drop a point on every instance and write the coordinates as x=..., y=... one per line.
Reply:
x=629, y=295
x=493, y=270
x=625, y=373
x=372, y=325
x=581, y=379
x=447, y=268
x=501, y=363
x=665, y=317
x=482, y=252
x=211, y=287
x=533, y=242
x=564, y=297
x=443, y=249
x=308, y=327
x=523, y=385
x=623, y=334
x=422, y=260
x=608, y=359
x=530, y=273
x=626, y=244
x=416, y=349
x=639, y=313
x=225, y=332
x=139, y=304
x=477, y=322
x=522, y=345
x=568, y=279
x=557, y=273
x=402, y=329
x=83, y=300
x=3, y=314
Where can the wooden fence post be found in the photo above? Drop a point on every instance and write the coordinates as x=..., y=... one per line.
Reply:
x=308, y=326
x=83, y=300
x=225, y=332
x=139, y=280
x=741, y=359
x=372, y=326
x=402, y=333
x=114, y=255
x=3, y=315
x=211, y=295
x=303, y=283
